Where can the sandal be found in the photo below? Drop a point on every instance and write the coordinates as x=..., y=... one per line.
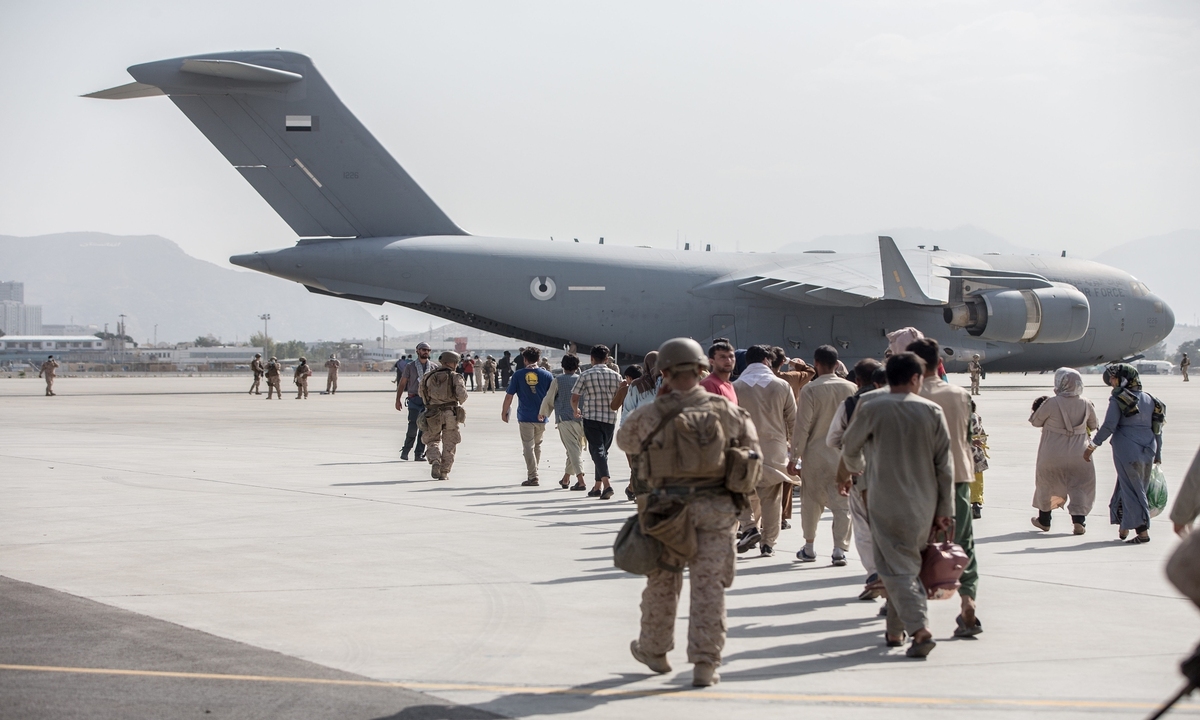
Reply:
x=1138, y=540
x=1123, y=534
x=890, y=642
x=962, y=631
x=564, y=483
x=920, y=650
x=579, y=486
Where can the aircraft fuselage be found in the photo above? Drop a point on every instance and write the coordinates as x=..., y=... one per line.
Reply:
x=554, y=293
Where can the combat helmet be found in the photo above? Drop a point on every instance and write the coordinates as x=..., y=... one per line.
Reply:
x=680, y=351
x=449, y=358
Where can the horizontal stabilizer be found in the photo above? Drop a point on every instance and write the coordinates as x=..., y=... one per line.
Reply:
x=126, y=92
x=278, y=122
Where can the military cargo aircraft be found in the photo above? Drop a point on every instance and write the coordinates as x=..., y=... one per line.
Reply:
x=368, y=232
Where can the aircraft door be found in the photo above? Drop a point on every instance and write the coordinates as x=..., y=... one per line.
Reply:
x=725, y=326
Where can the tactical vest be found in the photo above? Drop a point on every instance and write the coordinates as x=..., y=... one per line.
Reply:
x=439, y=387
x=562, y=401
x=692, y=447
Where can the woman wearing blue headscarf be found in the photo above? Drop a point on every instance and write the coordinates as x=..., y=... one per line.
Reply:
x=1134, y=422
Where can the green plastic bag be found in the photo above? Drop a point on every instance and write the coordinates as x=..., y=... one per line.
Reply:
x=1156, y=491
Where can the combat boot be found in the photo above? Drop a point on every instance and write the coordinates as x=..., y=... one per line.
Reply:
x=705, y=674
x=657, y=663
x=435, y=471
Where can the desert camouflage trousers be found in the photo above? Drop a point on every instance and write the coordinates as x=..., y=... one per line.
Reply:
x=710, y=572
x=441, y=439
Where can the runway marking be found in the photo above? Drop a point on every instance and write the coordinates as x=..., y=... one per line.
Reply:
x=669, y=693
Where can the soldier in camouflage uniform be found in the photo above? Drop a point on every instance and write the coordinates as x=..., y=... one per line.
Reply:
x=331, y=369
x=442, y=391
x=256, y=367
x=303, y=371
x=273, y=379
x=711, y=511
x=489, y=374
x=976, y=371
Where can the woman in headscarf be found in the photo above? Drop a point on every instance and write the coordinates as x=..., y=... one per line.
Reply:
x=1134, y=422
x=637, y=391
x=1063, y=475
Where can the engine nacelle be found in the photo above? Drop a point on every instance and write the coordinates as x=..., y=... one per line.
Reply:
x=1057, y=314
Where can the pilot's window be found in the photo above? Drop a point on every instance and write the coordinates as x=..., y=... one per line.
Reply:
x=1158, y=306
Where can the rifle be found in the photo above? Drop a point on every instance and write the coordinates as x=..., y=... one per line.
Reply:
x=1191, y=671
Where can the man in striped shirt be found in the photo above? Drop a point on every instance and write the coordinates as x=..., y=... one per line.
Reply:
x=590, y=399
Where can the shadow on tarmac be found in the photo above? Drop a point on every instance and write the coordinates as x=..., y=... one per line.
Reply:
x=1065, y=548
x=580, y=698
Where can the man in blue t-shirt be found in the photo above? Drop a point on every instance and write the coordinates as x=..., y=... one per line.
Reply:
x=530, y=385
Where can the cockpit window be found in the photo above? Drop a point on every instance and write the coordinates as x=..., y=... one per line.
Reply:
x=1139, y=289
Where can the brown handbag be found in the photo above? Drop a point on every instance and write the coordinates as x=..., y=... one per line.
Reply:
x=942, y=564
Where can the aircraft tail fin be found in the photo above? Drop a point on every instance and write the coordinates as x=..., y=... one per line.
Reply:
x=278, y=122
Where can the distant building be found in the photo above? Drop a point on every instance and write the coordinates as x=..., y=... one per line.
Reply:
x=205, y=355
x=71, y=346
x=17, y=318
x=69, y=329
x=379, y=354
x=14, y=291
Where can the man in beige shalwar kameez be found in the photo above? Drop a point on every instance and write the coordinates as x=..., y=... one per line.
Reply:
x=819, y=402
x=901, y=444
x=772, y=407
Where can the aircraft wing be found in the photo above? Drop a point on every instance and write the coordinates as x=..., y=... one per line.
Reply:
x=856, y=280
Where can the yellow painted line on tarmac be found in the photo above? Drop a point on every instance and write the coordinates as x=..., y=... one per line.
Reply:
x=672, y=693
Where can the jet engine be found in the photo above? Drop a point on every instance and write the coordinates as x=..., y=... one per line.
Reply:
x=1055, y=314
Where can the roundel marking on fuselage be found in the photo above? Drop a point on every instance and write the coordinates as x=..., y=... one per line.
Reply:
x=542, y=288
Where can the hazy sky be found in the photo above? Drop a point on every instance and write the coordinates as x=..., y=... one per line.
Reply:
x=737, y=124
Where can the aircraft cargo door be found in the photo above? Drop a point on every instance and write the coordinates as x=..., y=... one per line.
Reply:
x=724, y=326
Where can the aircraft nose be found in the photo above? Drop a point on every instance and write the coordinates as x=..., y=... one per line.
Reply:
x=251, y=261
x=1168, y=316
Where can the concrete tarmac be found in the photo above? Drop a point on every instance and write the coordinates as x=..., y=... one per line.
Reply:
x=292, y=526
x=67, y=657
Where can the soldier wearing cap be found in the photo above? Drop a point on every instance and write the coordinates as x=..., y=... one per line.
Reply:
x=686, y=478
x=256, y=367
x=331, y=369
x=408, y=389
x=443, y=391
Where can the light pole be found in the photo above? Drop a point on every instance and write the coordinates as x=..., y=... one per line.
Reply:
x=266, y=338
x=121, y=333
x=155, y=334
x=383, y=333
